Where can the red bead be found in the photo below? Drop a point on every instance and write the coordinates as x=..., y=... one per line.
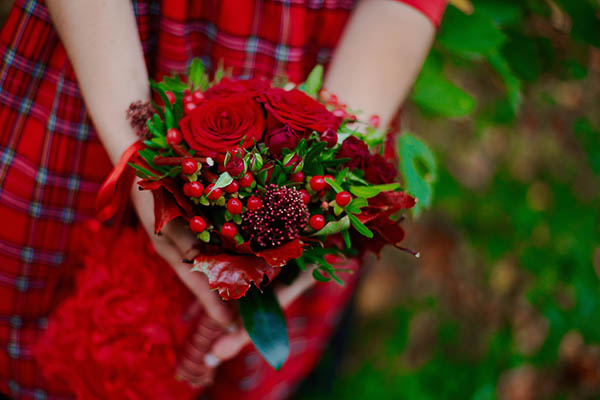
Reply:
x=198, y=96
x=212, y=194
x=343, y=198
x=339, y=113
x=317, y=183
x=234, y=206
x=298, y=177
x=187, y=92
x=189, y=107
x=254, y=203
x=170, y=97
x=317, y=222
x=189, y=166
x=196, y=189
x=246, y=180
x=197, y=224
x=232, y=187
x=229, y=230
x=187, y=99
x=305, y=196
x=174, y=136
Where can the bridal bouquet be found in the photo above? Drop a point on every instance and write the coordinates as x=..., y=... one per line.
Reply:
x=271, y=178
x=267, y=178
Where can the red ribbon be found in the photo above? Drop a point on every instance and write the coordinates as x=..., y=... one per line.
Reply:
x=114, y=193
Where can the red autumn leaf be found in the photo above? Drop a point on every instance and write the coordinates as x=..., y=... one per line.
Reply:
x=232, y=274
x=165, y=208
x=385, y=204
x=276, y=256
x=280, y=255
x=175, y=190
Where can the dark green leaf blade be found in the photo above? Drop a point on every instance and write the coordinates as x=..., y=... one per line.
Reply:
x=266, y=326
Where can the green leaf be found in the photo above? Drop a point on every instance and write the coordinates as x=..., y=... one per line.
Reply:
x=468, y=35
x=418, y=167
x=434, y=93
x=266, y=326
x=146, y=173
x=319, y=277
x=169, y=122
x=346, y=236
x=356, y=204
x=360, y=227
x=197, y=76
x=314, y=81
x=223, y=180
x=334, y=185
x=334, y=227
x=372, y=191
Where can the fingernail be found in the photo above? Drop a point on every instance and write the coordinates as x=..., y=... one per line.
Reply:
x=211, y=361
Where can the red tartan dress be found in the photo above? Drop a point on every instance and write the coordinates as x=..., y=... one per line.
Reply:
x=52, y=163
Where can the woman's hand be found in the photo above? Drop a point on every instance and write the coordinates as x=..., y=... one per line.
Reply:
x=208, y=347
x=175, y=243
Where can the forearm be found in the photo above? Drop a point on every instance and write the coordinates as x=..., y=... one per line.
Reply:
x=103, y=45
x=379, y=56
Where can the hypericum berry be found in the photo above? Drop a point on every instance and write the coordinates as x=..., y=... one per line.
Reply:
x=298, y=177
x=174, y=136
x=187, y=189
x=170, y=97
x=305, y=196
x=317, y=183
x=229, y=230
x=282, y=217
x=189, y=166
x=246, y=180
x=198, y=96
x=189, y=107
x=187, y=99
x=234, y=206
x=317, y=222
x=343, y=198
x=253, y=203
x=232, y=187
x=212, y=194
x=197, y=224
x=196, y=189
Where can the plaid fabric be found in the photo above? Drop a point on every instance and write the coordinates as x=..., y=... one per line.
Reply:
x=52, y=162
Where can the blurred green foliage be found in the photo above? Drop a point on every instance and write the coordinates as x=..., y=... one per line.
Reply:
x=508, y=100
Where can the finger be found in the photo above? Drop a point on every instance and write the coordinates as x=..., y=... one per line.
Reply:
x=215, y=307
x=180, y=235
x=192, y=363
x=286, y=294
x=229, y=345
x=206, y=378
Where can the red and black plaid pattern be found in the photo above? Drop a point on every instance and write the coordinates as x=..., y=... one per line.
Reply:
x=52, y=162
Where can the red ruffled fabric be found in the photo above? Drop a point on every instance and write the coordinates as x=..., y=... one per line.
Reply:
x=117, y=336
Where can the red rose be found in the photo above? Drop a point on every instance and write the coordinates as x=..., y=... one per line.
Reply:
x=218, y=125
x=300, y=111
x=379, y=170
x=230, y=87
x=281, y=138
x=356, y=150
